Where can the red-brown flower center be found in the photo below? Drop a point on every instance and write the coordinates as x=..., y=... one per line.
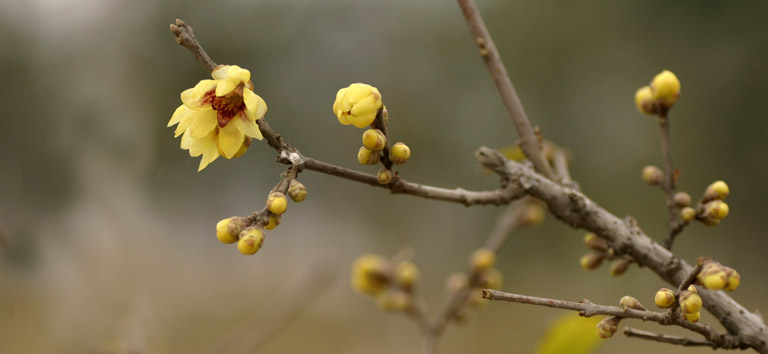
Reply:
x=227, y=106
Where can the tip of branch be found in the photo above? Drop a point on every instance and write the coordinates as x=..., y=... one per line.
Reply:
x=180, y=23
x=175, y=30
x=487, y=294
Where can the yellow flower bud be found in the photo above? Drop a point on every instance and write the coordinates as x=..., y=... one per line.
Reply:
x=608, y=327
x=690, y=302
x=384, y=176
x=406, y=274
x=713, y=276
x=374, y=139
x=665, y=88
x=297, y=191
x=482, y=259
x=620, y=267
x=688, y=214
x=357, y=104
x=682, y=199
x=644, y=100
x=277, y=203
x=664, y=298
x=367, y=157
x=370, y=274
x=591, y=261
x=628, y=302
x=716, y=190
x=692, y=317
x=594, y=242
x=532, y=215
x=456, y=282
x=717, y=209
x=228, y=230
x=250, y=241
x=734, y=279
x=491, y=279
x=652, y=175
x=692, y=289
x=399, y=153
x=394, y=300
x=274, y=220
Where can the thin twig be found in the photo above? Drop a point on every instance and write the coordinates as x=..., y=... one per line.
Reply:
x=186, y=38
x=669, y=181
x=529, y=142
x=506, y=224
x=666, y=338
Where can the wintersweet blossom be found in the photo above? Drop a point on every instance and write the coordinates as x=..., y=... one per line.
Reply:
x=357, y=104
x=218, y=117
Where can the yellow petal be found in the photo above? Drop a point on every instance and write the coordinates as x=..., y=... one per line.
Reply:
x=204, y=123
x=176, y=117
x=366, y=106
x=230, y=139
x=204, y=85
x=186, y=140
x=186, y=121
x=226, y=86
x=188, y=96
x=362, y=121
x=199, y=146
x=250, y=128
x=254, y=103
x=343, y=118
x=209, y=156
x=239, y=73
x=220, y=73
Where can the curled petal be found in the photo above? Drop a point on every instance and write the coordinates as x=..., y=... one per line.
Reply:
x=176, y=117
x=204, y=123
x=220, y=72
x=366, y=106
x=186, y=121
x=198, y=147
x=210, y=155
x=226, y=86
x=230, y=139
x=250, y=128
x=254, y=104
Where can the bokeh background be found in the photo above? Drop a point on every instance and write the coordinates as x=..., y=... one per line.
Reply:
x=108, y=239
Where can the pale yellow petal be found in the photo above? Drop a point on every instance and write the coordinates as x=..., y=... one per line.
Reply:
x=366, y=106
x=226, y=86
x=188, y=95
x=186, y=140
x=343, y=118
x=176, y=117
x=209, y=156
x=254, y=103
x=250, y=128
x=220, y=73
x=204, y=123
x=204, y=86
x=239, y=73
x=186, y=121
x=362, y=121
x=230, y=139
x=199, y=146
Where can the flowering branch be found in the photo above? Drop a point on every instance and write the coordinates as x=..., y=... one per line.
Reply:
x=529, y=142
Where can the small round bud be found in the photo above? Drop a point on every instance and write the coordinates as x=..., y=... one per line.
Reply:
x=596, y=243
x=374, y=139
x=274, y=220
x=277, y=203
x=394, y=301
x=532, y=215
x=717, y=209
x=607, y=327
x=716, y=190
x=665, y=88
x=682, y=199
x=250, y=241
x=297, y=191
x=690, y=302
x=734, y=279
x=592, y=261
x=228, y=230
x=491, y=279
x=652, y=175
x=384, y=176
x=367, y=157
x=628, y=302
x=482, y=259
x=664, y=298
x=644, y=100
x=406, y=274
x=370, y=274
x=456, y=282
x=692, y=317
x=399, y=153
x=713, y=276
x=692, y=289
x=688, y=214
x=620, y=267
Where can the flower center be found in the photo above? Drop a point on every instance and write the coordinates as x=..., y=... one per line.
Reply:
x=227, y=106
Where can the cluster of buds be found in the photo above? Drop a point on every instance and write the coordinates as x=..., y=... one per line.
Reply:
x=608, y=327
x=601, y=251
x=715, y=276
x=689, y=302
x=390, y=283
x=710, y=210
x=482, y=274
x=360, y=105
x=249, y=232
x=660, y=95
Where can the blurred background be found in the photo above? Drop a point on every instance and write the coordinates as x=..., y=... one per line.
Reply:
x=108, y=230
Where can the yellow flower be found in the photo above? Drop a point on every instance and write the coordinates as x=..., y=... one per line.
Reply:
x=218, y=117
x=357, y=104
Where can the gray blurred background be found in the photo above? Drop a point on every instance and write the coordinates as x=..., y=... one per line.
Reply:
x=109, y=236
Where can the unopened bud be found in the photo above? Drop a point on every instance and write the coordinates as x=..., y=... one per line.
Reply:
x=607, y=327
x=690, y=302
x=688, y=214
x=406, y=274
x=370, y=274
x=682, y=199
x=273, y=221
x=652, y=175
x=713, y=276
x=533, y=214
x=620, y=267
x=374, y=139
x=491, y=279
x=628, y=302
x=664, y=298
x=594, y=242
x=394, y=300
x=367, y=157
x=482, y=259
x=384, y=176
x=592, y=261
x=734, y=279
x=399, y=153
x=250, y=241
x=716, y=190
x=717, y=209
x=228, y=230
x=665, y=88
x=644, y=100
x=277, y=203
x=692, y=317
x=297, y=191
